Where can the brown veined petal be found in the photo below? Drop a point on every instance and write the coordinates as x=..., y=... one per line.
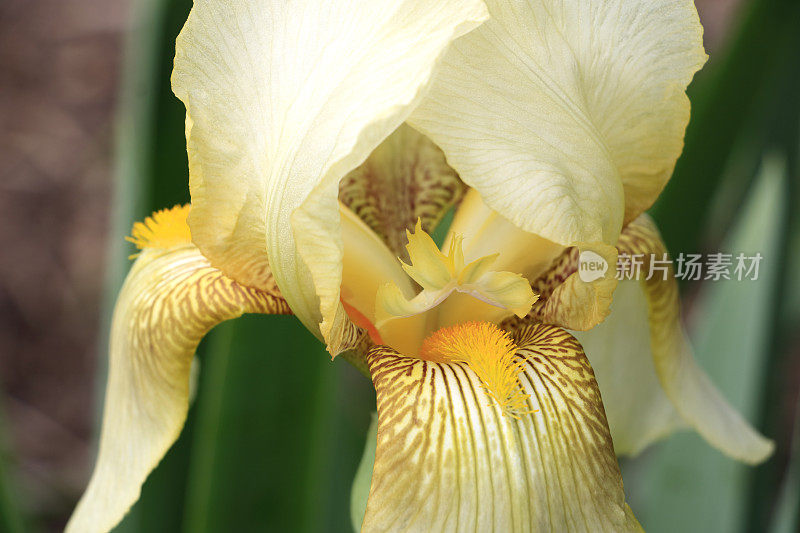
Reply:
x=687, y=386
x=405, y=179
x=639, y=412
x=170, y=299
x=572, y=299
x=448, y=459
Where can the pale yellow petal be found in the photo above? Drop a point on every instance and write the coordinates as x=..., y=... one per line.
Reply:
x=367, y=265
x=567, y=116
x=428, y=266
x=462, y=307
x=448, y=459
x=283, y=100
x=687, y=386
x=503, y=289
x=170, y=299
x=392, y=303
x=475, y=270
x=442, y=277
x=486, y=232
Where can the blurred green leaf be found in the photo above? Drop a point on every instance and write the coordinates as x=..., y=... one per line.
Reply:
x=732, y=102
x=683, y=484
x=441, y=229
x=279, y=429
x=10, y=516
x=144, y=183
x=781, y=383
x=745, y=104
x=363, y=480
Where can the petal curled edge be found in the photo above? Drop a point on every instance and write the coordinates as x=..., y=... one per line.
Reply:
x=283, y=100
x=567, y=116
x=685, y=383
x=447, y=459
x=568, y=300
x=169, y=301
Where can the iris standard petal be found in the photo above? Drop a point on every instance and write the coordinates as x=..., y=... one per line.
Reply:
x=170, y=299
x=283, y=100
x=449, y=459
x=685, y=383
x=567, y=116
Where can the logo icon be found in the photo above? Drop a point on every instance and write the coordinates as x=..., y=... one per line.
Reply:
x=591, y=266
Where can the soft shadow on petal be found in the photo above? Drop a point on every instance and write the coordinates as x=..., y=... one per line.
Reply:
x=567, y=116
x=686, y=384
x=283, y=100
x=447, y=459
x=487, y=232
x=171, y=298
x=367, y=265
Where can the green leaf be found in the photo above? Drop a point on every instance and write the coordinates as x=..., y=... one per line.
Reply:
x=732, y=101
x=10, y=517
x=276, y=441
x=149, y=174
x=361, y=483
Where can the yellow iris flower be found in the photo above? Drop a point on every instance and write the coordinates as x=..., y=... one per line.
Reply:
x=326, y=139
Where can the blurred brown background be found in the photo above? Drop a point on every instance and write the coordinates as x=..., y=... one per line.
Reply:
x=60, y=68
x=60, y=65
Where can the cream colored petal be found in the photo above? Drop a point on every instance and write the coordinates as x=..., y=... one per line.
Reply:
x=428, y=266
x=367, y=265
x=170, y=299
x=567, y=116
x=283, y=100
x=687, y=386
x=448, y=459
x=392, y=303
x=486, y=232
x=503, y=289
x=638, y=411
x=405, y=179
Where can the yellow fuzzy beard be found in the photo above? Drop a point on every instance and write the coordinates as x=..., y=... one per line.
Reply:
x=490, y=353
x=164, y=229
